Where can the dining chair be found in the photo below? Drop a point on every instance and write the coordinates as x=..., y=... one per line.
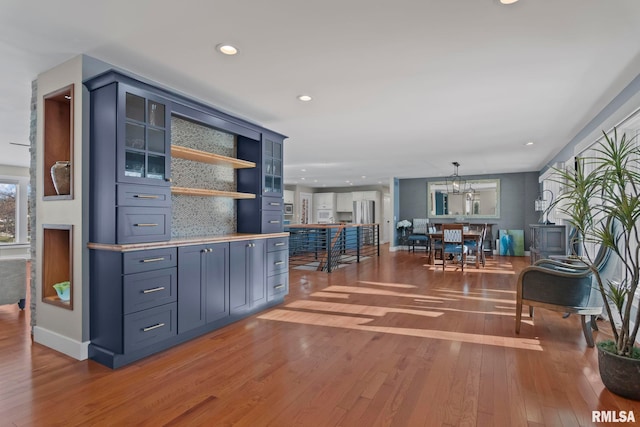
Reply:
x=476, y=247
x=435, y=246
x=419, y=235
x=453, y=244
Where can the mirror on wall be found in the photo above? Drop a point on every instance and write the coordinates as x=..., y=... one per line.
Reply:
x=478, y=199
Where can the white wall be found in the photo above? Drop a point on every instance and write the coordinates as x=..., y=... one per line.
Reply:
x=60, y=328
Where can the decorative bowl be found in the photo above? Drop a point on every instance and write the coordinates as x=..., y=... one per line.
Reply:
x=63, y=290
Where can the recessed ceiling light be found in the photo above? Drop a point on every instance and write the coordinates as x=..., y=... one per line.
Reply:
x=363, y=176
x=508, y=1
x=227, y=49
x=528, y=143
x=303, y=170
x=304, y=98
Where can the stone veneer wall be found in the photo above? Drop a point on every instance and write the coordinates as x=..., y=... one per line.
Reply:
x=194, y=216
x=33, y=126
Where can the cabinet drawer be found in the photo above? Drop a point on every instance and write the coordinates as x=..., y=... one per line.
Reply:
x=272, y=204
x=148, y=327
x=153, y=259
x=149, y=289
x=141, y=225
x=143, y=195
x=277, y=285
x=277, y=262
x=272, y=222
x=277, y=244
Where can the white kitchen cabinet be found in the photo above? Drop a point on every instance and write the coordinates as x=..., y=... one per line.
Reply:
x=288, y=196
x=344, y=202
x=324, y=200
x=366, y=195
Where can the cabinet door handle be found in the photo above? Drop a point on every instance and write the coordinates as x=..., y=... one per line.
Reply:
x=279, y=262
x=152, y=259
x=148, y=291
x=279, y=244
x=145, y=225
x=278, y=286
x=274, y=204
x=151, y=328
x=145, y=196
x=274, y=222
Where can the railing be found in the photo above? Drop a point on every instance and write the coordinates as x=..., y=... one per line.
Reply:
x=326, y=247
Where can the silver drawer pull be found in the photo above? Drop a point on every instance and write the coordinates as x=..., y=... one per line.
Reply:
x=279, y=244
x=274, y=204
x=145, y=196
x=148, y=291
x=152, y=259
x=279, y=262
x=151, y=328
x=274, y=222
x=145, y=225
x=278, y=287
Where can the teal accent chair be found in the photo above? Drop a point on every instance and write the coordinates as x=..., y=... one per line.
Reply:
x=567, y=288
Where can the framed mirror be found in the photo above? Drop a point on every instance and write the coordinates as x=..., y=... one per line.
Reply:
x=478, y=199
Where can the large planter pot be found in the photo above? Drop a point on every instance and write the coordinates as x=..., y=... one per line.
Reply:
x=621, y=375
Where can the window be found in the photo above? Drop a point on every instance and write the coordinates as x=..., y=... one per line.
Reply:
x=8, y=211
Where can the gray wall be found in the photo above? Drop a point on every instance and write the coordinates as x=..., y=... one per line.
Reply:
x=517, y=194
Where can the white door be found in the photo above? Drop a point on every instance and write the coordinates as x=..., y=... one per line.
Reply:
x=386, y=214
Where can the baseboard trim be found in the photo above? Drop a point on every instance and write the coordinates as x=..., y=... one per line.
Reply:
x=72, y=348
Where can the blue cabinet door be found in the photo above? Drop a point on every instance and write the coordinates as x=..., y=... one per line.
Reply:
x=191, y=298
x=247, y=275
x=203, y=285
x=215, y=276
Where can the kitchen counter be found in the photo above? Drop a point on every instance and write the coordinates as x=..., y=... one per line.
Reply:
x=183, y=241
x=323, y=226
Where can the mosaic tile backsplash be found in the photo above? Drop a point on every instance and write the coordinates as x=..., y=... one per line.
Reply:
x=194, y=216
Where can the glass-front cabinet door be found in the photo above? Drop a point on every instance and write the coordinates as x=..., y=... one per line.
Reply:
x=144, y=142
x=272, y=158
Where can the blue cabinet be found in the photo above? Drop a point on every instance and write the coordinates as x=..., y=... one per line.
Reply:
x=265, y=213
x=130, y=162
x=277, y=267
x=133, y=302
x=143, y=301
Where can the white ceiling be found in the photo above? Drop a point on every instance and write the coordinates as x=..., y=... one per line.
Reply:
x=399, y=88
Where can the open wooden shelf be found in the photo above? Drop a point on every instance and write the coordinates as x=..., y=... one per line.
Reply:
x=205, y=157
x=211, y=193
x=57, y=262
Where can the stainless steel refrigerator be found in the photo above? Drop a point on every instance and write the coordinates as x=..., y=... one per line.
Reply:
x=364, y=213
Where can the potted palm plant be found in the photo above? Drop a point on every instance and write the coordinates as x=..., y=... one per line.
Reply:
x=604, y=189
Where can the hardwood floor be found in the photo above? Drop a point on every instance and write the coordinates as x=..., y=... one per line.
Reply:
x=385, y=342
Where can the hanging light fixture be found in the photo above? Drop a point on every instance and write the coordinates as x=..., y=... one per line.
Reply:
x=455, y=184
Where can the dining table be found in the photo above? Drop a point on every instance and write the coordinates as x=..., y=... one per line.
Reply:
x=466, y=235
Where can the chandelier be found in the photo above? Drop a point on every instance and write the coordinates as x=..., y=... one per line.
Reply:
x=455, y=184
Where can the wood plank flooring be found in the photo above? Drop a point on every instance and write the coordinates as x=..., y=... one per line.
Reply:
x=388, y=342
